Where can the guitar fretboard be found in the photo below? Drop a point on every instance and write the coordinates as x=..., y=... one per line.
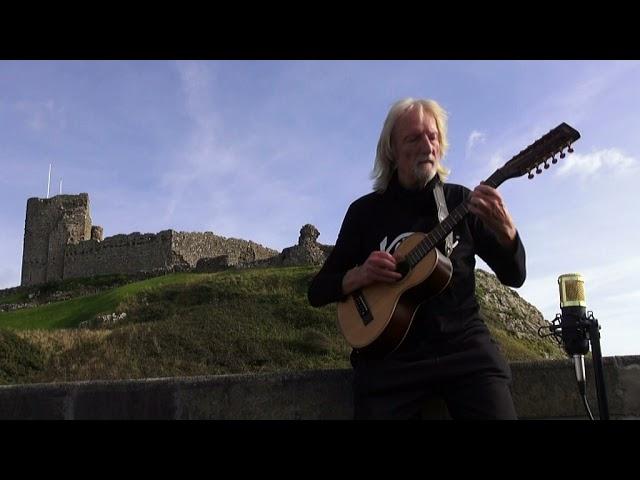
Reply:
x=439, y=232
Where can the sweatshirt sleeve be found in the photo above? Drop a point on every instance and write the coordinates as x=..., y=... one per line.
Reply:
x=326, y=286
x=509, y=264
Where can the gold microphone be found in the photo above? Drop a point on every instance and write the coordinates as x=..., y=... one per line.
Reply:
x=572, y=290
x=574, y=332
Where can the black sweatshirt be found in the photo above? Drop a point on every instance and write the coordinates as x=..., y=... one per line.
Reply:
x=377, y=221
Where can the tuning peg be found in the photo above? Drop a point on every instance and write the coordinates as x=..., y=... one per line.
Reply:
x=538, y=170
x=570, y=150
x=546, y=165
x=530, y=176
x=562, y=155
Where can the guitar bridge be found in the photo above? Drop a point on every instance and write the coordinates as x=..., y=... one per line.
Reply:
x=363, y=308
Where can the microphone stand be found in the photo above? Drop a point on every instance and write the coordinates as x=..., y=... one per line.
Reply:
x=601, y=392
x=587, y=326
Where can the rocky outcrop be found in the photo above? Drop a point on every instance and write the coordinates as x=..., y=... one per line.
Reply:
x=307, y=252
x=503, y=308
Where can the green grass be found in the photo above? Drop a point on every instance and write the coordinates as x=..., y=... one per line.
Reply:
x=183, y=325
x=19, y=358
x=17, y=297
x=235, y=321
x=69, y=313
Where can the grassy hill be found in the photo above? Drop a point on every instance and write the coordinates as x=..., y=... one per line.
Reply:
x=185, y=324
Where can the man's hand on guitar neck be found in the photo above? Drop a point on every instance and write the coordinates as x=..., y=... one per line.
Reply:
x=379, y=267
x=487, y=204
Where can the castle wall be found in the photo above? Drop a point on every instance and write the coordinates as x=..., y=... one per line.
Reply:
x=61, y=243
x=192, y=246
x=126, y=254
x=50, y=224
x=163, y=251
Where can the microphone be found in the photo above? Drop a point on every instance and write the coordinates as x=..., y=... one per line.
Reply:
x=575, y=329
x=575, y=338
x=574, y=309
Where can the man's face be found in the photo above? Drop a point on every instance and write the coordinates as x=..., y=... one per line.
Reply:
x=416, y=147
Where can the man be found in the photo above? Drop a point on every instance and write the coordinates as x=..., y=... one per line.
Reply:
x=448, y=350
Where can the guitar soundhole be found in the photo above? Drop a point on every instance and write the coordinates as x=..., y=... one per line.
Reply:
x=362, y=307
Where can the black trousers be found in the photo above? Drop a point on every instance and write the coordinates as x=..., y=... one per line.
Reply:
x=466, y=369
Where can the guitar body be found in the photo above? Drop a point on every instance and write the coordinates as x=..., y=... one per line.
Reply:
x=377, y=318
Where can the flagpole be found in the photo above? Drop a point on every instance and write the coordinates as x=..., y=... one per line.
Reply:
x=49, y=181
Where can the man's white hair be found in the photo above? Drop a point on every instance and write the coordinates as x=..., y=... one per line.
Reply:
x=385, y=164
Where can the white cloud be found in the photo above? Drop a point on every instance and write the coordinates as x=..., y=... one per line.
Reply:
x=613, y=160
x=475, y=138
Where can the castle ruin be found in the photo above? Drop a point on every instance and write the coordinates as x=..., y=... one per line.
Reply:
x=60, y=243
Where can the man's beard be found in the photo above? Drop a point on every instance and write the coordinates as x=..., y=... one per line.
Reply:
x=423, y=177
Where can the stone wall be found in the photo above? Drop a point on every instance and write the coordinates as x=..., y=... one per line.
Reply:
x=126, y=254
x=541, y=390
x=51, y=224
x=61, y=243
x=162, y=252
x=193, y=246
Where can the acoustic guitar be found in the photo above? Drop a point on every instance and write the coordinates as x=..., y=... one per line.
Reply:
x=376, y=318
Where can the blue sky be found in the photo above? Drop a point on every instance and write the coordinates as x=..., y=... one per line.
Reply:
x=256, y=149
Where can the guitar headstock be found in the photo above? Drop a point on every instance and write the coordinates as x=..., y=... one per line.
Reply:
x=538, y=154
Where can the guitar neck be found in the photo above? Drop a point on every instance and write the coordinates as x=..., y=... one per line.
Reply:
x=443, y=229
x=524, y=162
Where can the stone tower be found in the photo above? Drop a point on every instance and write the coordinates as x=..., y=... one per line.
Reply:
x=50, y=225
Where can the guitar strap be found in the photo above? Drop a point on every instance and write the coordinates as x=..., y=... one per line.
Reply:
x=438, y=193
